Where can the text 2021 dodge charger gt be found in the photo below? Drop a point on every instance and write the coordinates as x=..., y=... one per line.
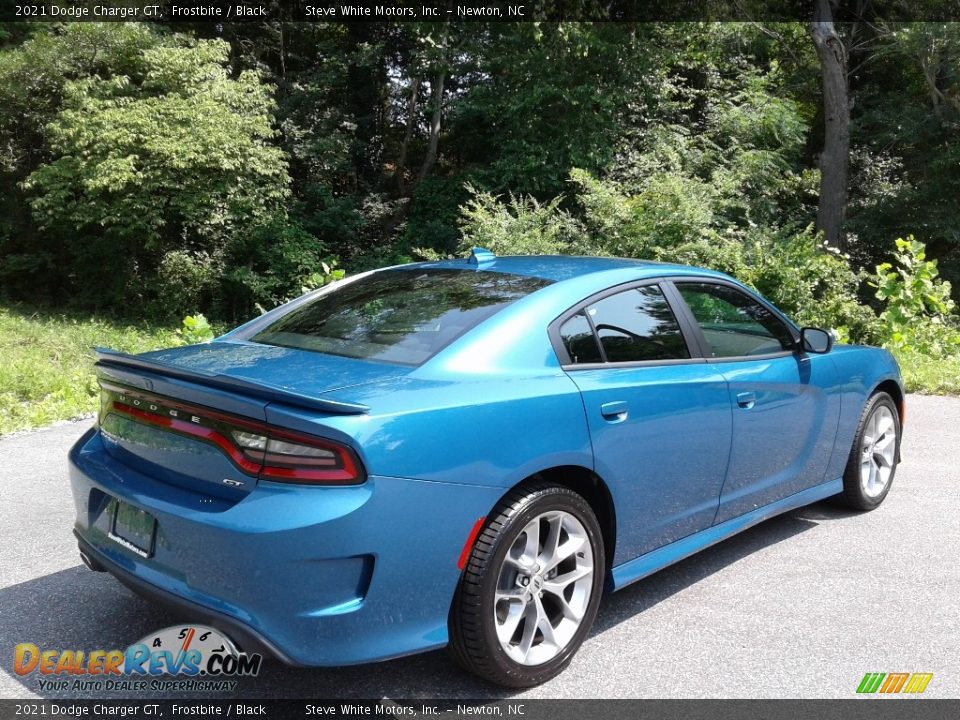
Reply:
x=469, y=452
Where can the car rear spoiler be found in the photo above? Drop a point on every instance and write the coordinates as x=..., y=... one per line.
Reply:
x=107, y=358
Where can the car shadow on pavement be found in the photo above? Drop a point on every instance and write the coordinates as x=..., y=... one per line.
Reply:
x=79, y=609
x=644, y=594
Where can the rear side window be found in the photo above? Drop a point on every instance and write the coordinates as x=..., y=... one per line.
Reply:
x=733, y=323
x=398, y=316
x=579, y=340
x=635, y=325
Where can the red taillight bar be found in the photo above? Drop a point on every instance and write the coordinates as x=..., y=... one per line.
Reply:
x=197, y=431
x=277, y=466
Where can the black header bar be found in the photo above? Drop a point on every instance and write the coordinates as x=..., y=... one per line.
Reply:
x=231, y=11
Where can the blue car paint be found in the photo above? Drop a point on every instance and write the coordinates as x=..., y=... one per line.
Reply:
x=300, y=371
x=335, y=575
x=783, y=440
x=670, y=409
x=333, y=579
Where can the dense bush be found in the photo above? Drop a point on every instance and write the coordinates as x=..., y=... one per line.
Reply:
x=812, y=282
x=919, y=313
x=175, y=159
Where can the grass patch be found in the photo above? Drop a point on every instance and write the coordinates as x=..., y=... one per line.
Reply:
x=929, y=375
x=46, y=372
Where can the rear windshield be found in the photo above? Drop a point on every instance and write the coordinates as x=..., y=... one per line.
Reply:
x=398, y=316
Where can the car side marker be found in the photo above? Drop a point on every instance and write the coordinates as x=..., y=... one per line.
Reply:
x=468, y=546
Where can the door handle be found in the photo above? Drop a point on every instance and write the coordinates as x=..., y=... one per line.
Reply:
x=615, y=411
x=746, y=399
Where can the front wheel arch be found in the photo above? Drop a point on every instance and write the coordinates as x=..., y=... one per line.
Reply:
x=895, y=391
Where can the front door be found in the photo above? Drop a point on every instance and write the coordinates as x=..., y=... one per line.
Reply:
x=783, y=420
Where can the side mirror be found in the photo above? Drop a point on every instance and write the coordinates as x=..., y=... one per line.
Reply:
x=815, y=340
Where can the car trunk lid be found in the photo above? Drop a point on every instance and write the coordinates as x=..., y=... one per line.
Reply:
x=174, y=414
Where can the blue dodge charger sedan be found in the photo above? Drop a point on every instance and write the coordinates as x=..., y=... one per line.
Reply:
x=469, y=453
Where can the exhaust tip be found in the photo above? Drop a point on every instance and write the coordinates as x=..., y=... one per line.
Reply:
x=91, y=563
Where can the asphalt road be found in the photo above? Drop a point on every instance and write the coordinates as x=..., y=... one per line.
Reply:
x=800, y=606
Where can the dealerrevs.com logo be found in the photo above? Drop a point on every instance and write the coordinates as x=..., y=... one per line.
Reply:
x=178, y=658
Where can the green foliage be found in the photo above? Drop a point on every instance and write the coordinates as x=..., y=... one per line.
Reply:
x=328, y=273
x=270, y=265
x=812, y=282
x=184, y=280
x=143, y=155
x=170, y=170
x=919, y=312
x=519, y=226
x=548, y=97
x=34, y=76
x=196, y=329
x=928, y=374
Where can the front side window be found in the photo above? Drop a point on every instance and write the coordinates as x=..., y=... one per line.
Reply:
x=733, y=323
x=398, y=316
x=635, y=325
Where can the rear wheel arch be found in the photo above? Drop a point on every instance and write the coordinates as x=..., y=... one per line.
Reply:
x=594, y=490
x=590, y=486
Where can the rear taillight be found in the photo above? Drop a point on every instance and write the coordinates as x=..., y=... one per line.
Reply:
x=254, y=447
x=290, y=456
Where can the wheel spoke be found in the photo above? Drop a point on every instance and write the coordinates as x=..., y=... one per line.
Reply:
x=546, y=627
x=571, y=546
x=508, y=628
x=558, y=584
x=531, y=618
x=547, y=557
x=517, y=563
x=509, y=595
x=886, y=442
x=532, y=548
x=570, y=612
x=884, y=422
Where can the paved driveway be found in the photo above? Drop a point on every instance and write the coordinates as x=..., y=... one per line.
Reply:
x=800, y=606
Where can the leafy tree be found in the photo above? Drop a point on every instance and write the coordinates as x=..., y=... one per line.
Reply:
x=176, y=157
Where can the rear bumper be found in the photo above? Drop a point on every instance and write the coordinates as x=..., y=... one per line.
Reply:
x=244, y=637
x=311, y=575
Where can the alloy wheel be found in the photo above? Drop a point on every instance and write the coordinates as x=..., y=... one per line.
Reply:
x=878, y=449
x=544, y=588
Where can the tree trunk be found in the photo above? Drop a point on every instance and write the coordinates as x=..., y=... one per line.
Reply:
x=835, y=157
x=401, y=167
x=437, y=97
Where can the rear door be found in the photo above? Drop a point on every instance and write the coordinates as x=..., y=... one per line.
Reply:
x=784, y=411
x=659, y=417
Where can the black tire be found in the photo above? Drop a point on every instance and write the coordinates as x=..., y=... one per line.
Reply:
x=473, y=634
x=853, y=494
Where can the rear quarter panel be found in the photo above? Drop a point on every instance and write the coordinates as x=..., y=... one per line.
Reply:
x=490, y=431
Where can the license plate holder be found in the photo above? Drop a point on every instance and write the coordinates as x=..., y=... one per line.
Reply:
x=133, y=528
